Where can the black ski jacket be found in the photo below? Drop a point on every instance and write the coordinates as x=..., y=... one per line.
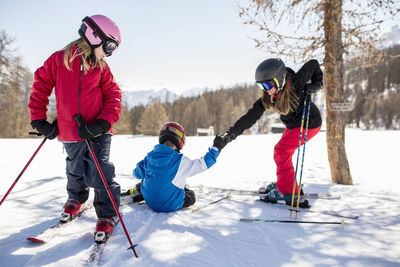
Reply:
x=310, y=71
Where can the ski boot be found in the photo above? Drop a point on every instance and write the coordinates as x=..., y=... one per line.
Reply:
x=271, y=186
x=132, y=195
x=274, y=196
x=71, y=210
x=104, y=227
x=267, y=189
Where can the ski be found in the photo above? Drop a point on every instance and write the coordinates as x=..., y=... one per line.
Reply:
x=209, y=189
x=51, y=232
x=331, y=213
x=303, y=204
x=342, y=222
x=304, y=207
x=96, y=251
x=197, y=208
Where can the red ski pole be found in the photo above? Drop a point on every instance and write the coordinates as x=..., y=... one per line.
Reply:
x=23, y=170
x=78, y=120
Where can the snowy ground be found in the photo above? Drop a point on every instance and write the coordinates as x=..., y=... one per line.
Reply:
x=213, y=236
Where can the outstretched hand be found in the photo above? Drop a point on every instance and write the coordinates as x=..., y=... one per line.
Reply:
x=220, y=141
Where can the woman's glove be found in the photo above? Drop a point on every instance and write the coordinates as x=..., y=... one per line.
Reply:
x=312, y=88
x=220, y=141
x=50, y=130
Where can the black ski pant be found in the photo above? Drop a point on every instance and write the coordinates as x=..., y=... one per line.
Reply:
x=82, y=173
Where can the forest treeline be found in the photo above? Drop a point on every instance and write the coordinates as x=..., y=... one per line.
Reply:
x=374, y=93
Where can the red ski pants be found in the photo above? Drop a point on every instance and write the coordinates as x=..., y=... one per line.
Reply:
x=283, y=152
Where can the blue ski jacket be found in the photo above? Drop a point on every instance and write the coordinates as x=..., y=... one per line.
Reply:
x=164, y=171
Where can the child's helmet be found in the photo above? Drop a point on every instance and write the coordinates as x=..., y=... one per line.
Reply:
x=272, y=69
x=100, y=30
x=174, y=132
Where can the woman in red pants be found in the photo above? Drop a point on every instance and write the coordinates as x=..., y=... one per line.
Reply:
x=284, y=91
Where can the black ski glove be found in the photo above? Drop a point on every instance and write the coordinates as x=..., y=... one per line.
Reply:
x=219, y=142
x=312, y=88
x=91, y=130
x=228, y=136
x=50, y=130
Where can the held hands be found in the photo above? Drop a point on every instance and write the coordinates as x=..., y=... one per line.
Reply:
x=91, y=130
x=50, y=130
x=312, y=88
x=220, y=141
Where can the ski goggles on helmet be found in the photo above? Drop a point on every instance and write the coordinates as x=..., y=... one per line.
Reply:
x=268, y=85
x=109, y=46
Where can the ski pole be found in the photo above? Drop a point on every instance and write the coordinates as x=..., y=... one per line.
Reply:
x=195, y=208
x=342, y=222
x=78, y=120
x=304, y=152
x=298, y=153
x=23, y=170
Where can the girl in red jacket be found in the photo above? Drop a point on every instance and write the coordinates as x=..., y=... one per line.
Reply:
x=83, y=86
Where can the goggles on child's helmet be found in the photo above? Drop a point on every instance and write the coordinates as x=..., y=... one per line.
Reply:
x=99, y=30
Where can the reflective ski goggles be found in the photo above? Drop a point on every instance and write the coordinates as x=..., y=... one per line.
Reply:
x=109, y=46
x=266, y=86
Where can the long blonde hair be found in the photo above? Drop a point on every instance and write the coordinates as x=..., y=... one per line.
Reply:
x=85, y=52
x=285, y=103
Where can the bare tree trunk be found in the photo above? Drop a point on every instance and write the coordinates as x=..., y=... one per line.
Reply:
x=335, y=122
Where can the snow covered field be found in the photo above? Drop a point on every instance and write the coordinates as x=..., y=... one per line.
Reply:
x=213, y=236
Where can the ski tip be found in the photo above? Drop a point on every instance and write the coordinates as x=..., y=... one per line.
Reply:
x=228, y=195
x=194, y=208
x=342, y=223
x=35, y=240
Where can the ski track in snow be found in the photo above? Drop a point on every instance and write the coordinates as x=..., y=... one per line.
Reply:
x=213, y=236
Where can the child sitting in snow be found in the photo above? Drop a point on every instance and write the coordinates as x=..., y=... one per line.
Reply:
x=164, y=171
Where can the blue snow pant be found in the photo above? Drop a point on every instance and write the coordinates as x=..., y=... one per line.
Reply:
x=82, y=173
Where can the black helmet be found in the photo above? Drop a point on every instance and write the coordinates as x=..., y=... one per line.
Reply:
x=174, y=132
x=272, y=69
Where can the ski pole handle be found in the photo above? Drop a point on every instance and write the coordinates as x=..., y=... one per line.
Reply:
x=78, y=120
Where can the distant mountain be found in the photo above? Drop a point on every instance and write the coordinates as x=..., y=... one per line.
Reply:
x=136, y=98
x=143, y=97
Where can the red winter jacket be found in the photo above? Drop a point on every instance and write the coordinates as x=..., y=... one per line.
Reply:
x=100, y=96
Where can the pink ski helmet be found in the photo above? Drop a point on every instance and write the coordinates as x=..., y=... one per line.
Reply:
x=99, y=30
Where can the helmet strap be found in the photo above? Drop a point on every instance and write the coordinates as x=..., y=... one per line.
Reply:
x=92, y=56
x=283, y=84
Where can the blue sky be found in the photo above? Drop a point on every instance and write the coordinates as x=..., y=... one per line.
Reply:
x=173, y=44
x=170, y=44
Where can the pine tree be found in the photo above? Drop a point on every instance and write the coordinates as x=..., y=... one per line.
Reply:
x=153, y=117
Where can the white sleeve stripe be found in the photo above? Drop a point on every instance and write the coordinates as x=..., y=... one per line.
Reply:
x=188, y=168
